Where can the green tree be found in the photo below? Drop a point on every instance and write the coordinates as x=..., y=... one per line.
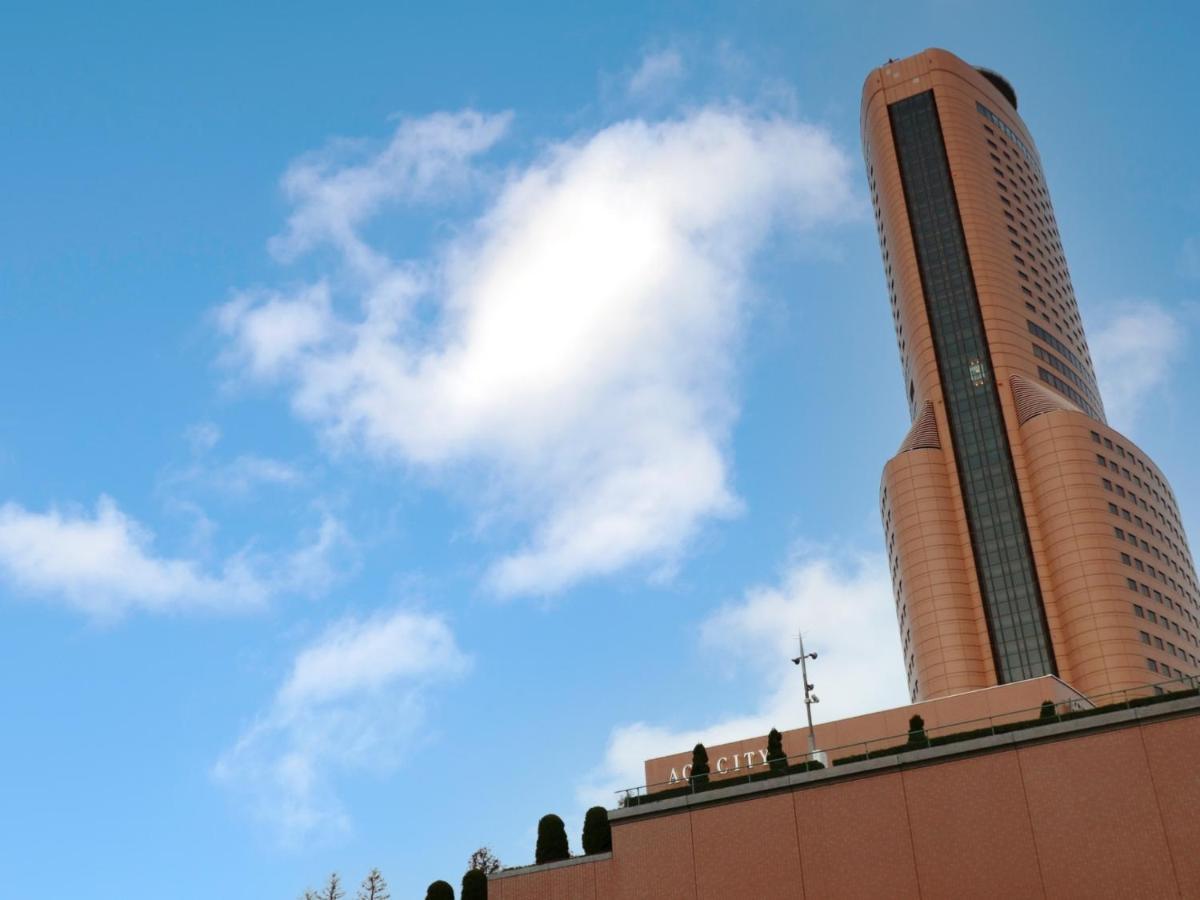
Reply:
x=551, y=840
x=700, y=768
x=916, y=731
x=474, y=885
x=597, y=833
x=485, y=861
x=776, y=758
x=440, y=890
x=331, y=891
x=373, y=887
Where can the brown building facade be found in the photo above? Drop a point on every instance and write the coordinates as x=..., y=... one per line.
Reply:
x=1098, y=807
x=1025, y=536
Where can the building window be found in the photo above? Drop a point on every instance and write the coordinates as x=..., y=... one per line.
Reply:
x=1151, y=665
x=1144, y=636
x=1139, y=612
x=1002, y=555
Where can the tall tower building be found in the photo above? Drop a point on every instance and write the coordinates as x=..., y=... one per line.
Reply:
x=1026, y=537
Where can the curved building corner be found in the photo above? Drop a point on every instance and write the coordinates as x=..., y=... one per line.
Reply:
x=1030, y=538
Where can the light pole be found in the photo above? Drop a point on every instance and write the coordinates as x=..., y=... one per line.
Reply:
x=809, y=697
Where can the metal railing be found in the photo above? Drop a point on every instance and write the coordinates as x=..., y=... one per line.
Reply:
x=1048, y=712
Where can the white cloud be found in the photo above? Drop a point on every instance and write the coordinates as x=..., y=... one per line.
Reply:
x=1134, y=352
x=573, y=346
x=105, y=565
x=239, y=476
x=245, y=472
x=273, y=330
x=336, y=190
x=352, y=702
x=657, y=72
x=202, y=436
x=845, y=608
x=353, y=656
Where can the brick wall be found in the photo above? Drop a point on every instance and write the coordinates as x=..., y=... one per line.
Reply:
x=1101, y=807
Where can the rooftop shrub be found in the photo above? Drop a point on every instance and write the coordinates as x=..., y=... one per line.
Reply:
x=551, y=840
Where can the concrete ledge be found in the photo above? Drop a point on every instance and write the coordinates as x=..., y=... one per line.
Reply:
x=545, y=867
x=989, y=743
x=1166, y=708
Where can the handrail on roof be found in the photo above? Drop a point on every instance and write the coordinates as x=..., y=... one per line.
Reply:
x=887, y=745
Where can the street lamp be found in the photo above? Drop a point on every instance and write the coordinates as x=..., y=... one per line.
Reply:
x=809, y=697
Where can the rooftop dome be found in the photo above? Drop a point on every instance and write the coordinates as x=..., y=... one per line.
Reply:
x=1000, y=83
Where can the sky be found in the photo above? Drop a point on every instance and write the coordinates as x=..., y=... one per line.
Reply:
x=415, y=416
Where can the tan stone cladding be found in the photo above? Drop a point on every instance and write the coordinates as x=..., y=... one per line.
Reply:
x=1115, y=577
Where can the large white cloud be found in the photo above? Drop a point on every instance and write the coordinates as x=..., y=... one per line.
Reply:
x=105, y=565
x=1135, y=351
x=572, y=346
x=844, y=606
x=351, y=702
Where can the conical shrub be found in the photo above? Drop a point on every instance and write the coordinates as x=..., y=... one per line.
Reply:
x=551, y=840
x=474, y=886
x=776, y=758
x=700, y=768
x=597, y=834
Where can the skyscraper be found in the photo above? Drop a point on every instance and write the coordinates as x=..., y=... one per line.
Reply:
x=1025, y=536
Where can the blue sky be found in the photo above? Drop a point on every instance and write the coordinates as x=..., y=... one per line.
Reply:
x=414, y=418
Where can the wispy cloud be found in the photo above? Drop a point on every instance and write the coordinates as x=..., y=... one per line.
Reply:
x=351, y=702
x=104, y=564
x=240, y=476
x=1134, y=352
x=202, y=436
x=337, y=189
x=574, y=343
x=844, y=606
x=243, y=473
x=658, y=71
